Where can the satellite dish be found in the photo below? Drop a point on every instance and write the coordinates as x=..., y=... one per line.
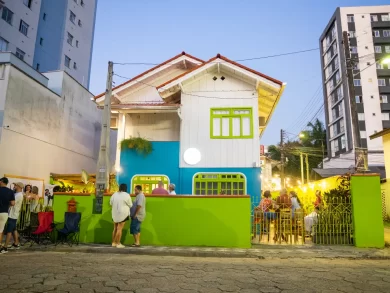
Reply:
x=84, y=176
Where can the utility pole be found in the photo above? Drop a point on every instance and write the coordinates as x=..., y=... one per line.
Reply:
x=282, y=158
x=103, y=170
x=354, y=115
x=302, y=171
x=307, y=168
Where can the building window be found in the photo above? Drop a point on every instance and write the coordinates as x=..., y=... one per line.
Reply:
x=148, y=182
x=67, y=61
x=74, y=65
x=340, y=109
x=383, y=99
x=339, y=93
x=361, y=116
x=386, y=33
x=351, y=18
x=341, y=125
x=219, y=184
x=363, y=134
x=374, y=18
x=379, y=66
x=82, y=3
x=44, y=16
x=358, y=99
x=343, y=146
x=77, y=43
x=20, y=54
x=80, y=24
x=337, y=77
x=37, y=67
x=3, y=45
x=231, y=123
x=356, y=66
x=354, y=50
x=334, y=115
x=27, y=3
x=387, y=49
x=376, y=34
x=41, y=41
x=385, y=17
x=72, y=17
x=336, y=145
x=7, y=15
x=356, y=82
x=385, y=116
x=378, y=49
x=381, y=82
x=23, y=27
x=352, y=34
x=70, y=39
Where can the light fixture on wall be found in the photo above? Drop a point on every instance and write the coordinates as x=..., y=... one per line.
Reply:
x=192, y=156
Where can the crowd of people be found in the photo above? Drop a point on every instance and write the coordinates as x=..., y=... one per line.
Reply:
x=270, y=209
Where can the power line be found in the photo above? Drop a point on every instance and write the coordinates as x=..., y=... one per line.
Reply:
x=238, y=60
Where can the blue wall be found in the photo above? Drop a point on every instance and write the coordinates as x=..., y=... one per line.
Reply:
x=165, y=160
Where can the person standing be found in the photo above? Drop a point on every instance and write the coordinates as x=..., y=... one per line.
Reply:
x=171, y=189
x=7, y=199
x=13, y=216
x=137, y=213
x=121, y=204
x=160, y=189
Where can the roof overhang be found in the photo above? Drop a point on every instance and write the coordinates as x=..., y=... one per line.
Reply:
x=144, y=108
x=380, y=133
x=269, y=90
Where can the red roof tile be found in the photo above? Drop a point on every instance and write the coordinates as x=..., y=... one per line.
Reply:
x=219, y=56
x=151, y=69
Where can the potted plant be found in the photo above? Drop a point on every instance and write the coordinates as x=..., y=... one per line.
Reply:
x=141, y=145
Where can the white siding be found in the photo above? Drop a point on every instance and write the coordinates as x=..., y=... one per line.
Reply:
x=154, y=127
x=195, y=126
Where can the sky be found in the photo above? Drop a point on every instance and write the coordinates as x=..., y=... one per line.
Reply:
x=153, y=31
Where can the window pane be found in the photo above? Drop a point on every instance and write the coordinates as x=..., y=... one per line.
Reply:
x=246, y=126
x=236, y=126
x=225, y=126
x=216, y=126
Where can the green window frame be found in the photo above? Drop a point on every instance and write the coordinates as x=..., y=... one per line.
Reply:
x=231, y=123
x=148, y=182
x=219, y=184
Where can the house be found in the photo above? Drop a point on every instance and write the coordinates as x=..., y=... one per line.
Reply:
x=204, y=119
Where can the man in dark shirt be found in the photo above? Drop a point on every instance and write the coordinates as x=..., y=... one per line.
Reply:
x=7, y=199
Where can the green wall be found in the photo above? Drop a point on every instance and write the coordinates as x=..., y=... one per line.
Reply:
x=367, y=211
x=170, y=221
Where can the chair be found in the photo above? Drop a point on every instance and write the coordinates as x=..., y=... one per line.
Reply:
x=45, y=228
x=70, y=233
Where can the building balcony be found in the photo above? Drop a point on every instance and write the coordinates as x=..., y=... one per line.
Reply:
x=380, y=24
x=383, y=72
x=381, y=40
x=385, y=107
x=386, y=124
x=384, y=89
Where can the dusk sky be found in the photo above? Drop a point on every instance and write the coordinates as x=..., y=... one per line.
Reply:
x=156, y=30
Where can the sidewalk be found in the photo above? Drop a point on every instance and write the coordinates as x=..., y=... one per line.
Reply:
x=258, y=251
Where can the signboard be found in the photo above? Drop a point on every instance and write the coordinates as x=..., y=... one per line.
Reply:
x=99, y=198
x=361, y=159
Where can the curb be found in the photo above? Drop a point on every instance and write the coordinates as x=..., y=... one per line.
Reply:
x=262, y=253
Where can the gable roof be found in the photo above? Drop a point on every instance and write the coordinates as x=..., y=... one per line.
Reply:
x=219, y=56
x=151, y=70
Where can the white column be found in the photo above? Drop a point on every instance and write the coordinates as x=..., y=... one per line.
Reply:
x=121, y=136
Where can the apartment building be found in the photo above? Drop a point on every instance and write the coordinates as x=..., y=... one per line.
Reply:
x=51, y=35
x=369, y=39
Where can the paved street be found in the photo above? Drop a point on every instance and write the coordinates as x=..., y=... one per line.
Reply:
x=27, y=271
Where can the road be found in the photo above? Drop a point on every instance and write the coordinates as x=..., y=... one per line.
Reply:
x=26, y=271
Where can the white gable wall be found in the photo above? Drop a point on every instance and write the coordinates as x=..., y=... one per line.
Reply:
x=195, y=124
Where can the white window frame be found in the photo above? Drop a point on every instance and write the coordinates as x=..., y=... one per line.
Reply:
x=363, y=134
x=72, y=17
x=342, y=126
x=3, y=45
x=378, y=49
x=379, y=66
x=374, y=18
x=354, y=50
x=386, y=33
x=352, y=34
x=383, y=99
x=350, y=18
x=69, y=39
x=361, y=117
x=67, y=61
x=385, y=116
x=357, y=82
x=7, y=15
x=336, y=145
x=380, y=82
x=20, y=54
x=387, y=49
x=385, y=17
x=23, y=27
x=343, y=142
x=27, y=3
x=358, y=99
x=377, y=34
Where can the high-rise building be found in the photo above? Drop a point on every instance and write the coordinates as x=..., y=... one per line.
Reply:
x=369, y=39
x=50, y=35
